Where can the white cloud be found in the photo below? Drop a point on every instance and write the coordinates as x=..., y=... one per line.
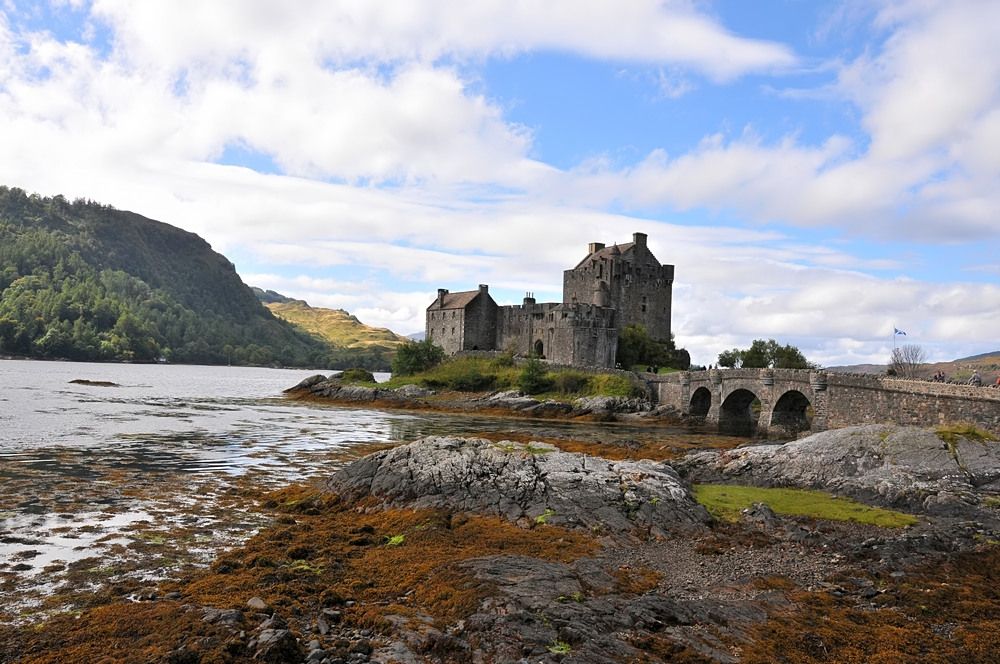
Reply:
x=175, y=33
x=397, y=169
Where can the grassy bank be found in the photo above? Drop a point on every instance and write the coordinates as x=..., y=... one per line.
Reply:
x=725, y=502
x=478, y=374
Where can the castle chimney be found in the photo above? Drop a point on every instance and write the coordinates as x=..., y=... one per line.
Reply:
x=441, y=293
x=639, y=239
x=529, y=298
x=594, y=246
x=484, y=288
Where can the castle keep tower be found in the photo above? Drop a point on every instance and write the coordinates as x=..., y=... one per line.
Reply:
x=627, y=278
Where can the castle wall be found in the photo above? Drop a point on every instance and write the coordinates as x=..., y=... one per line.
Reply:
x=480, y=325
x=446, y=328
x=471, y=326
x=582, y=334
x=520, y=326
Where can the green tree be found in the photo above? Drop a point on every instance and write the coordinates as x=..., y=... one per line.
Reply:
x=765, y=354
x=533, y=378
x=636, y=347
x=416, y=356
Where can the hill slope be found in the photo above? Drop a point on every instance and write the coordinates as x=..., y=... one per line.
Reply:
x=987, y=364
x=84, y=281
x=354, y=342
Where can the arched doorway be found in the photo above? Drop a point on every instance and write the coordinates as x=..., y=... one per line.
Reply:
x=539, y=349
x=739, y=413
x=792, y=414
x=701, y=403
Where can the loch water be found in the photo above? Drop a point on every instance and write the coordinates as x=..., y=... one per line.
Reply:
x=137, y=481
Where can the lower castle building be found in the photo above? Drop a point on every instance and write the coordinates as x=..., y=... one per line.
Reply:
x=612, y=287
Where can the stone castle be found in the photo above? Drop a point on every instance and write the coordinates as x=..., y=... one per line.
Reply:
x=612, y=287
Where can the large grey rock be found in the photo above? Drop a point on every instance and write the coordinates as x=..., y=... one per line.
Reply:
x=306, y=384
x=413, y=391
x=333, y=388
x=510, y=399
x=899, y=466
x=525, y=483
x=601, y=405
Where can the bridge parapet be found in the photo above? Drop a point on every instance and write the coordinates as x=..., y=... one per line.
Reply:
x=831, y=399
x=868, y=381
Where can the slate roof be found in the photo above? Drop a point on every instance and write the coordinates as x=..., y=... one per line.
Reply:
x=458, y=300
x=608, y=252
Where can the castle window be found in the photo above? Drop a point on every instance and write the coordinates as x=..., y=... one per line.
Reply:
x=643, y=307
x=453, y=330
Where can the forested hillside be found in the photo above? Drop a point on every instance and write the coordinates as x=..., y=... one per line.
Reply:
x=83, y=281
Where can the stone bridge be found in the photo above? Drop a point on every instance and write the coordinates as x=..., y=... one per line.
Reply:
x=786, y=402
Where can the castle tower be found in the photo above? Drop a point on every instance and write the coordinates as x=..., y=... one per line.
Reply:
x=627, y=278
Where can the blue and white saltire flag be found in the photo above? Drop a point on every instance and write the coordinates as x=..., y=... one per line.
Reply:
x=898, y=331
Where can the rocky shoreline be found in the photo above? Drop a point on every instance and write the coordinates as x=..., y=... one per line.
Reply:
x=466, y=549
x=510, y=403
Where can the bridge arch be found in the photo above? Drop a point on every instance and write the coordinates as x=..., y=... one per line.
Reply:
x=739, y=412
x=792, y=413
x=701, y=402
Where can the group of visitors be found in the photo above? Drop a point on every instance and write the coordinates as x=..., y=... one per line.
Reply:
x=977, y=380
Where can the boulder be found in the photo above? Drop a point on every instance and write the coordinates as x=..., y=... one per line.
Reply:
x=527, y=483
x=610, y=405
x=907, y=467
x=510, y=399
x=413, y=391
x=307, y=384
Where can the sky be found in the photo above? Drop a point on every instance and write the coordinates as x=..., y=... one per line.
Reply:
x=820, y=173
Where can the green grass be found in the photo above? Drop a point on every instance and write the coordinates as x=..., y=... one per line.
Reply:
x=560, y=648
x=477, y=374
x=543, y=518
x=725, y=502
x=950, y=433
x=529, y=449
x=357, y=376
x=395, y=540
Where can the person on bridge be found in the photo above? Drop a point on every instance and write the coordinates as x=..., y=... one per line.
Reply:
x=997, y=384
x=976, y=379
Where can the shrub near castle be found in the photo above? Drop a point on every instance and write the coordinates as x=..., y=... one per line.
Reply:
x=476, y=374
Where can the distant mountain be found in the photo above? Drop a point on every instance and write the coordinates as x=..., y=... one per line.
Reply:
x=353, y=342
x=269, y=296
x=83, y=281
x=994, y=355
x=987, y=364
x=417, y=336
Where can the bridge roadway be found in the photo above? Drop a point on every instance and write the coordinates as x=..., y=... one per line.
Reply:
x=786, y=402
